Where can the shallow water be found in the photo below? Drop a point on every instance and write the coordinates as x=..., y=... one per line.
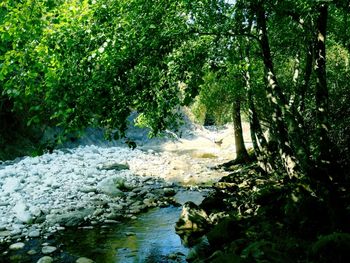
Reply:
x=149, y=238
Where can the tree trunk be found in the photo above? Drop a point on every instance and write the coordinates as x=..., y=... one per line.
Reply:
x=278, y=101
x=300, y=105
x=256, y=134
x=241, y=151
x=323, y=154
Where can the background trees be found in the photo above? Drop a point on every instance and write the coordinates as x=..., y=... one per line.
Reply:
x=78, y=63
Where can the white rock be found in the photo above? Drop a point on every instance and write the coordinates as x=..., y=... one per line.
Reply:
x=34, y=233
x=11, y=185
x=48, y=249
x=17, y=246
x=35, y=211
x=45, y=259
x=5, y=233
x=32, y=252
x=84, y=260
x=21, y=213
x=108, y=186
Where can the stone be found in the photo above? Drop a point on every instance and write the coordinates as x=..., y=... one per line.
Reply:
x=98, y=212
x=169, y=191
x=34, y=233
x=115, y=166
x=87, y=227
x=192, y=219
x=132, y=195
x=48, y=250
x=137, y=190
x=17, y=246
x=150, y=196
x=32, y=252
x=5, y=233
x=84, y=260
x=16, y=231
x=113, y=216
x=109, y=186
x=69, y=219
x=21, y=213
x=45, y=259
x=35, y=211
x=11, y=185
x=87, y=189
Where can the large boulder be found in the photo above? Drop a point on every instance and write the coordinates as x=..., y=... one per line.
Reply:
x=192, y=223
x=192, y=219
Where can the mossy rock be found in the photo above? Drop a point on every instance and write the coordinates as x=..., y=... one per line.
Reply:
x=333, y=248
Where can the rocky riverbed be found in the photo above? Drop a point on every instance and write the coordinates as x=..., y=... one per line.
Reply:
x=91, y=185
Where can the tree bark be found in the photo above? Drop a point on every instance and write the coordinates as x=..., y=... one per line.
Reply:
x=300, y=105
x=257, y=136
x=323, y=153
x=241, y=151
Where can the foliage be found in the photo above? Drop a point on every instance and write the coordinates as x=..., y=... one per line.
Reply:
x=80, y=63
x=84, y=63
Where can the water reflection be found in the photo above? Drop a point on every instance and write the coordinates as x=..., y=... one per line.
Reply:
x=150, y=238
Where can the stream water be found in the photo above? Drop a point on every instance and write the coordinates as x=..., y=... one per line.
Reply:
x=149, y=238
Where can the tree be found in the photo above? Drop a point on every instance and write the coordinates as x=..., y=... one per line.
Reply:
x=82, y=63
